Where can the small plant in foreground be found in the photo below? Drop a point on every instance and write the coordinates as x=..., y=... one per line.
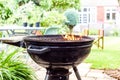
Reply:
x=13, y=69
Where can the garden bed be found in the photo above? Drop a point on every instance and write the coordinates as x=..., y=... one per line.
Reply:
x=115, y=73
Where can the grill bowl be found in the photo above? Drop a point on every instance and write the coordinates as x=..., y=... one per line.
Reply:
x=55, y=51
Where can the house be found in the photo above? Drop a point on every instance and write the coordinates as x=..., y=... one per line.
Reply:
x=99, y=13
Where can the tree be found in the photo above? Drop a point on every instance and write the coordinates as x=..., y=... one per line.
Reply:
x=5, y=12
x=57, y=4
x=12, y=9
x=53, y=4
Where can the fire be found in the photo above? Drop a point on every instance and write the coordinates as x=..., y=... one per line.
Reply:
x=72, y=37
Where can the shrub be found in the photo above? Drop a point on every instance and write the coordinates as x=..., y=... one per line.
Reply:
x=52, y=18
x=13, y=69
x=93, y=32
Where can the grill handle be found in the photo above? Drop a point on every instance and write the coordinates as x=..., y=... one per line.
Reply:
x=37, y=50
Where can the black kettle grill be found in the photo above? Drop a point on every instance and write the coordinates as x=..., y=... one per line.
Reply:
x=56, y=54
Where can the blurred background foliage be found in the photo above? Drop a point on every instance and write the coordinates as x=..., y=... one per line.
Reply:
x=52, y=18
x=48, y=12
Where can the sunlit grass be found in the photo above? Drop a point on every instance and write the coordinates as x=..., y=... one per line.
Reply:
x=109, y=57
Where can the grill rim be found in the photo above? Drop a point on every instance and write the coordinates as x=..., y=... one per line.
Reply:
x=87, y=39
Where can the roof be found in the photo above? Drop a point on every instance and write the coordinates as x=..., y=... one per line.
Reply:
x=99, y=2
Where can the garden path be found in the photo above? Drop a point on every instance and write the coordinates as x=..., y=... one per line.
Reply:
x=84, y=69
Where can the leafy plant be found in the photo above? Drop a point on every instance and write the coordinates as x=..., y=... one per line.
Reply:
x=115, y=32
x=93, y=32
x=59, y=4
x=52, y=18
x=5, y=12
x=27, y=12
x=21, y=14
x=18, y=11
x=66, y=4
x=21, y=2
x=1, y=34
x=11, y=68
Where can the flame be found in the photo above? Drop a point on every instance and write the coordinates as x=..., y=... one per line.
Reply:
x=72, y=37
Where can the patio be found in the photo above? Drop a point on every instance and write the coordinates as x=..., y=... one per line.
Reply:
x=84, y=69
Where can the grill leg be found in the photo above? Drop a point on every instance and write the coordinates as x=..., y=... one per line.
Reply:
x=76, y=72
x=47, y=77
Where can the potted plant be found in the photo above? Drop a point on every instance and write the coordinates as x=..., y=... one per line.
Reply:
x=72, y=18
x=11, y=68
x=37, y=24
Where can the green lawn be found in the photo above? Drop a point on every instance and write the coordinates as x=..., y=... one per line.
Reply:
x=109, y=58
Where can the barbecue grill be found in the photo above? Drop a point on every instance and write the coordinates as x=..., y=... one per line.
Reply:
x=56, y=54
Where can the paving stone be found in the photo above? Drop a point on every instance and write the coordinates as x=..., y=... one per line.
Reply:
x=84, y=65
x=72, y=76
x=83, y=69
x=40, y=75
x=95, y=73
x=88, y=78
x=105, y=79
x=83, y=78
x=84, y=72
x=42, y=69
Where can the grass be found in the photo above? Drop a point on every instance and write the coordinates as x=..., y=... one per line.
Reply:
x=109, y=57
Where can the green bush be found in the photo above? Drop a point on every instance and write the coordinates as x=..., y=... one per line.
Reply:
x=22, y=14
x=93, y=31
x=115, y=32
x=52, y=18
x=11, y=68
x=5, y=12
x=0, y=34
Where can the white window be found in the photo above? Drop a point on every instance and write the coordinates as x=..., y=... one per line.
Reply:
x=87, y=15
x=110, y=14
x=84, y=15
x=107, y=16
x=113, y=16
